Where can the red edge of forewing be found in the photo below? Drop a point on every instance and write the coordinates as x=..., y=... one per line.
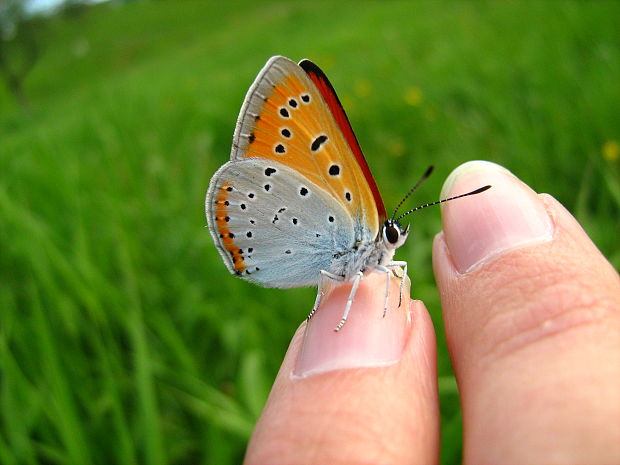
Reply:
x=329, y=95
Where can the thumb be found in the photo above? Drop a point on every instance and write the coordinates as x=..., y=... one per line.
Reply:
x=365, y=394
x=532, y=316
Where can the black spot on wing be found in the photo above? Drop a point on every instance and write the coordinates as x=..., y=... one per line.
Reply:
x=318, y=142
x=334, y=170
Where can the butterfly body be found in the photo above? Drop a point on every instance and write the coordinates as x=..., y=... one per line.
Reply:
x=363, y=256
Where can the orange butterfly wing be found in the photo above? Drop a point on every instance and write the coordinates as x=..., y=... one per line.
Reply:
x=332, y=100
x=292, y=115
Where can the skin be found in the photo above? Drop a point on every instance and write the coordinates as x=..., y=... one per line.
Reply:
x=533, y=327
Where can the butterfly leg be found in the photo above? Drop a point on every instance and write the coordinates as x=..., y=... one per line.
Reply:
x=404, y=265
x=387, y=272
x=319, y=293
x=356, y=281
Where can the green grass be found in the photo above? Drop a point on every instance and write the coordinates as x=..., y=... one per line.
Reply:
x=122, y=337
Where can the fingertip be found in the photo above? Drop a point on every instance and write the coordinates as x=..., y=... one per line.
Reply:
x=372, y=334
x=481, y=227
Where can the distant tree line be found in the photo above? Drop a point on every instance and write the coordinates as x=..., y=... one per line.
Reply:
x=19, y=46
x=22, y=41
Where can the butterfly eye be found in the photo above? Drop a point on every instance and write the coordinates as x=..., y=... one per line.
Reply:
x=391, y=233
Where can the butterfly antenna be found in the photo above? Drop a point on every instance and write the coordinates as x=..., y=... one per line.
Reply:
x=425, y=176
x=477, y=191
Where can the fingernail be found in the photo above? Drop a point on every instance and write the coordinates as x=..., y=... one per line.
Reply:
x=479, y=228
x=367, y=339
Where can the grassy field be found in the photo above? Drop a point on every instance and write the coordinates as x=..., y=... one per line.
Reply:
x=122, y=337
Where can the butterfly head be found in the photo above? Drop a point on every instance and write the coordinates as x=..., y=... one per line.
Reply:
x=393, y=234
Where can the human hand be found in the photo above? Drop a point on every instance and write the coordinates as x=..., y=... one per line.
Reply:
x=532, y=319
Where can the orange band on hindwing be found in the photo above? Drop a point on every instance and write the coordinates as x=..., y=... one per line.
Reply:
x=226, y=237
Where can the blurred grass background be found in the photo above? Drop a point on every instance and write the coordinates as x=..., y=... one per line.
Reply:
x=122, y=337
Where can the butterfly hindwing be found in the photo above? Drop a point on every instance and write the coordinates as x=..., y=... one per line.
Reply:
x=272, y=226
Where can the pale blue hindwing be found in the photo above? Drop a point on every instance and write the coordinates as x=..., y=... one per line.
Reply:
x=288, y=228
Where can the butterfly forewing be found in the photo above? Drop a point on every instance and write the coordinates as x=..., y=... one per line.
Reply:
x=285, y=118
x=333, y=102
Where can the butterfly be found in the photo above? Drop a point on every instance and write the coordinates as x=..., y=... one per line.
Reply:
x=297, y=203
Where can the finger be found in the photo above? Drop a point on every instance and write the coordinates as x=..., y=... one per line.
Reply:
x=531, y=310
x=365, y=394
